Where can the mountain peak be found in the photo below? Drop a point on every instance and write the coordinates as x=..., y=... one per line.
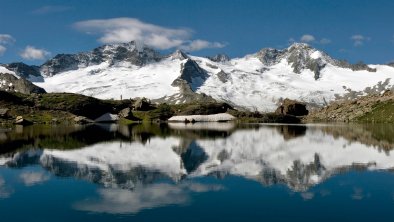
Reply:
x=219, y=58
x=299, y=45
x=179, y=54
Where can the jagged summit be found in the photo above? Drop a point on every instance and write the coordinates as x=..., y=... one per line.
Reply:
x=220, y=58
x=112, y=54
x=179, y=54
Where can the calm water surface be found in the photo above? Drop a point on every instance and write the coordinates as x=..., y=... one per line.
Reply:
x=197, y=172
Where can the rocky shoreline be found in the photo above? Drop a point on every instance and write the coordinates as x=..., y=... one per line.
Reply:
x=68, y=108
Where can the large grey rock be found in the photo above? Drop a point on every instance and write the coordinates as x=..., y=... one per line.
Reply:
x=82, y=120
x=107, y=117
x=10, y=83
x=142, y=104
x=127, y=113
x=4, y=113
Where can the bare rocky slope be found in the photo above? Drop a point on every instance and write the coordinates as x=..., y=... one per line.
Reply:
x=377, y=108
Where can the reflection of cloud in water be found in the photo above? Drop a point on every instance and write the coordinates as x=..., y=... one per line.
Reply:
x=33, y=178
x=5, y=191
x=307, y=195
x=120, y=201
x=359, y=194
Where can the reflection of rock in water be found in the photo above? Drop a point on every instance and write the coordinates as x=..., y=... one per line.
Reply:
x=21, y=159
x=380, y=136
x=193, y=157
x=291, y=131
x=112, y=178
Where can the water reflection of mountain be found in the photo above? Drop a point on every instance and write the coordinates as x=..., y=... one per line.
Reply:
x=127, y=157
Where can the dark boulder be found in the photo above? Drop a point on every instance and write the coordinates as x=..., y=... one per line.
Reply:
x=292, y=107
x=21, y=121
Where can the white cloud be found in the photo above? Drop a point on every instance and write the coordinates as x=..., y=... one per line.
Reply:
x=32, y=53
x=307, y=195
x=199, y=44
x=32, y=178
x=2, y=50
x=118, y=30
x=51, y=9
x=307, y=38
x=358, y=40
x=325, y=41
x=6, y=39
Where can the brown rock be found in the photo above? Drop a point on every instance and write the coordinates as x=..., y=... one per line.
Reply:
x=292, y=107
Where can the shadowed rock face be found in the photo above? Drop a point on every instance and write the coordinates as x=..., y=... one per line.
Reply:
x=192, y=74
x=191, y=78
x=10, y=83
x=300, y=57
x=23, y=70
x=270, y=56
x=219, y=58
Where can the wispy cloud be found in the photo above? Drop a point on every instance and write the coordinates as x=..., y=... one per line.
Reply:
x=307, y=38
x=118, y=30
x=2, y=50
x=47, y=9
x=32, y=178
x=33, y=53
x=359, y=40
x=199, y=44
x=325, y=41
x=6, y=39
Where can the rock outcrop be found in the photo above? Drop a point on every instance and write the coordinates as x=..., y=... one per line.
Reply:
x=292, y=107
x=371, y=108
x=11, y=83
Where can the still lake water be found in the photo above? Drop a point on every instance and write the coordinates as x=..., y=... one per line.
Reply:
x=197, y=172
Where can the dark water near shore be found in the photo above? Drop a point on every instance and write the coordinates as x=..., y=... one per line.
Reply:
x=197, y=172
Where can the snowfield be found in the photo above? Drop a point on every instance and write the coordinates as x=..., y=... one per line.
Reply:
x=111, y=82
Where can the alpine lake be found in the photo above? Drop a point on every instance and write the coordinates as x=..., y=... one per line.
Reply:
x=197, y=172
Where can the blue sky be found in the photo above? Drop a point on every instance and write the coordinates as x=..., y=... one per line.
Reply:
x=32, y=31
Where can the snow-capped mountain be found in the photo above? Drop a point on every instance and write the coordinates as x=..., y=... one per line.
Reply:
x=257, y=82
